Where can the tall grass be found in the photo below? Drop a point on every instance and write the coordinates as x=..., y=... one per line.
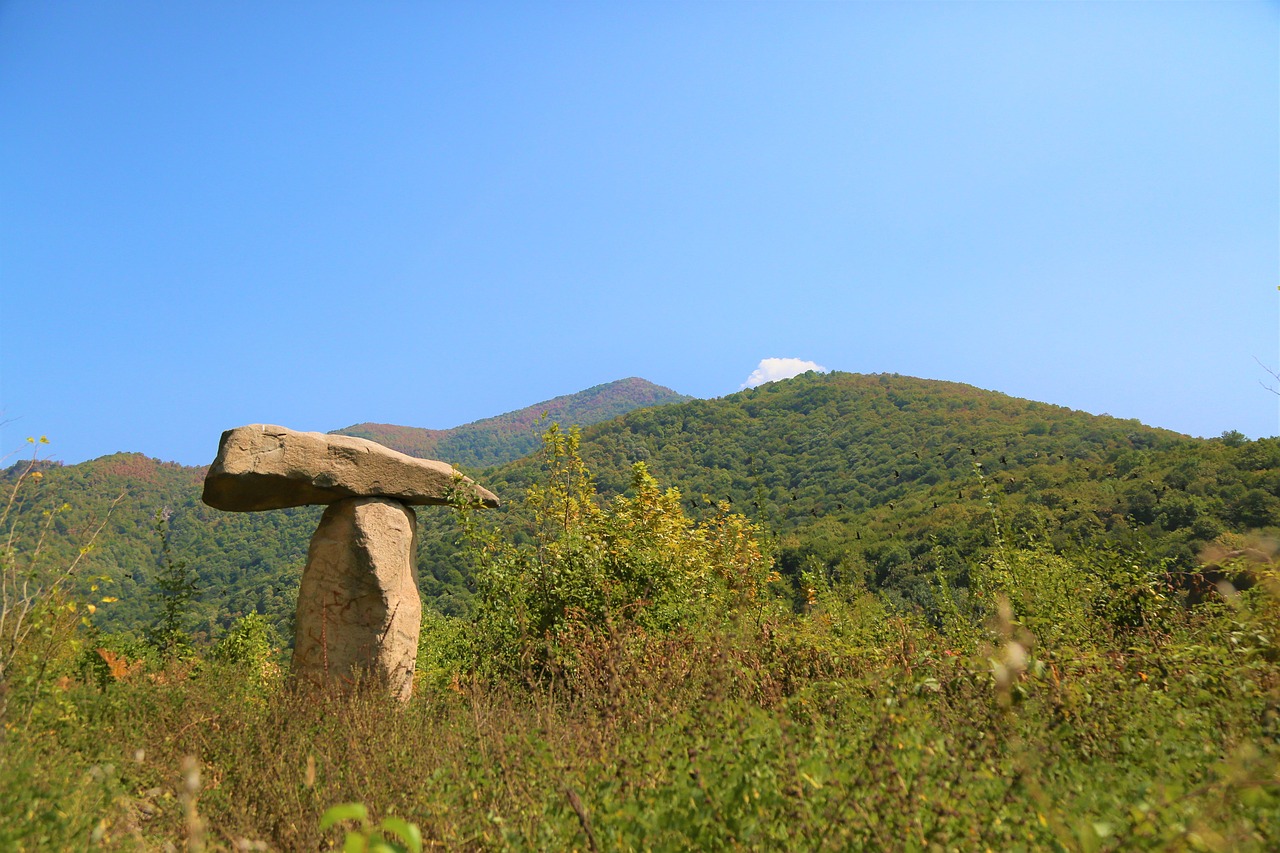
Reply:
x=749, y=738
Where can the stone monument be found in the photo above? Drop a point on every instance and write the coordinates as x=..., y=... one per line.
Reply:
x=359, y=611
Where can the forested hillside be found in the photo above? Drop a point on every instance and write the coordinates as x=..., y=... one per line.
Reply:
x=505, y=438
x=888, y=481
x=242, y=562
x=250, y=562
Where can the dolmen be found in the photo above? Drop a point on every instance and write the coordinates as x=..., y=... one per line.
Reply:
x=359, y=611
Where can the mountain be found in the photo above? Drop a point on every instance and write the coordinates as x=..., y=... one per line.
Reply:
x=894, y=478
x=880, y=480
x=504, y=438
x=890, y=480
x=245, y=562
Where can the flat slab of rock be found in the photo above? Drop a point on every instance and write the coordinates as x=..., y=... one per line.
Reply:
x=262, y=466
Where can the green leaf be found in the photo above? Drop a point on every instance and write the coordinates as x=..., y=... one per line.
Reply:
x=344, y=811
x=405, y=831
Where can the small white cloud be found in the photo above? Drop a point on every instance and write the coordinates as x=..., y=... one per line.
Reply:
x=773, y=369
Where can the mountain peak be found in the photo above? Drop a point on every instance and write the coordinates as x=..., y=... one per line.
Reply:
x=508, y=436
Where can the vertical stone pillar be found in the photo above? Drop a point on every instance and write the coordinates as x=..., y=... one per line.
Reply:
x=359, y=612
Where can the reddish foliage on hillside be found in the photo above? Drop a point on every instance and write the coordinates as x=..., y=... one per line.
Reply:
x=138, y=467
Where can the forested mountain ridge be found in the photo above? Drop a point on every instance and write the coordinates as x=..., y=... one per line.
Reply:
x=894, y=478
x=244, y=562
x=882, y=480
x=504, y=438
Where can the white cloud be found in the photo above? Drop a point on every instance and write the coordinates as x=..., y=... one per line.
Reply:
x=773, y=369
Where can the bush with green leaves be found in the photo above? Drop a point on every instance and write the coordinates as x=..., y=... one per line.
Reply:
x=444, y=650
x=390, y=835
x=252, y=647
x=633, y=563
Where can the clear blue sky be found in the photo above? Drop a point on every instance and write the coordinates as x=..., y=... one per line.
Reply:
x=316, y=214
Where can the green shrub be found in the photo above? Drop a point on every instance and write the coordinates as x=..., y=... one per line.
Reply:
x=252, y=642
x=636, y=562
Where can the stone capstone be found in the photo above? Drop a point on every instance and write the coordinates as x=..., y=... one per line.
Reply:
x=359, y=612
x=261, y=466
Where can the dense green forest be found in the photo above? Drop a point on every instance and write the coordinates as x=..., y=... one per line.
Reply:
x=892, y=477
x=892, y=480
x=242, y=562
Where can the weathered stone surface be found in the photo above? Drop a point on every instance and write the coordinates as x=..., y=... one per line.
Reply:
x=262, y=466
x=358, y=607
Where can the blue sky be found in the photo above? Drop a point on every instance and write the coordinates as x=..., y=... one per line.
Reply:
x=318, y=214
